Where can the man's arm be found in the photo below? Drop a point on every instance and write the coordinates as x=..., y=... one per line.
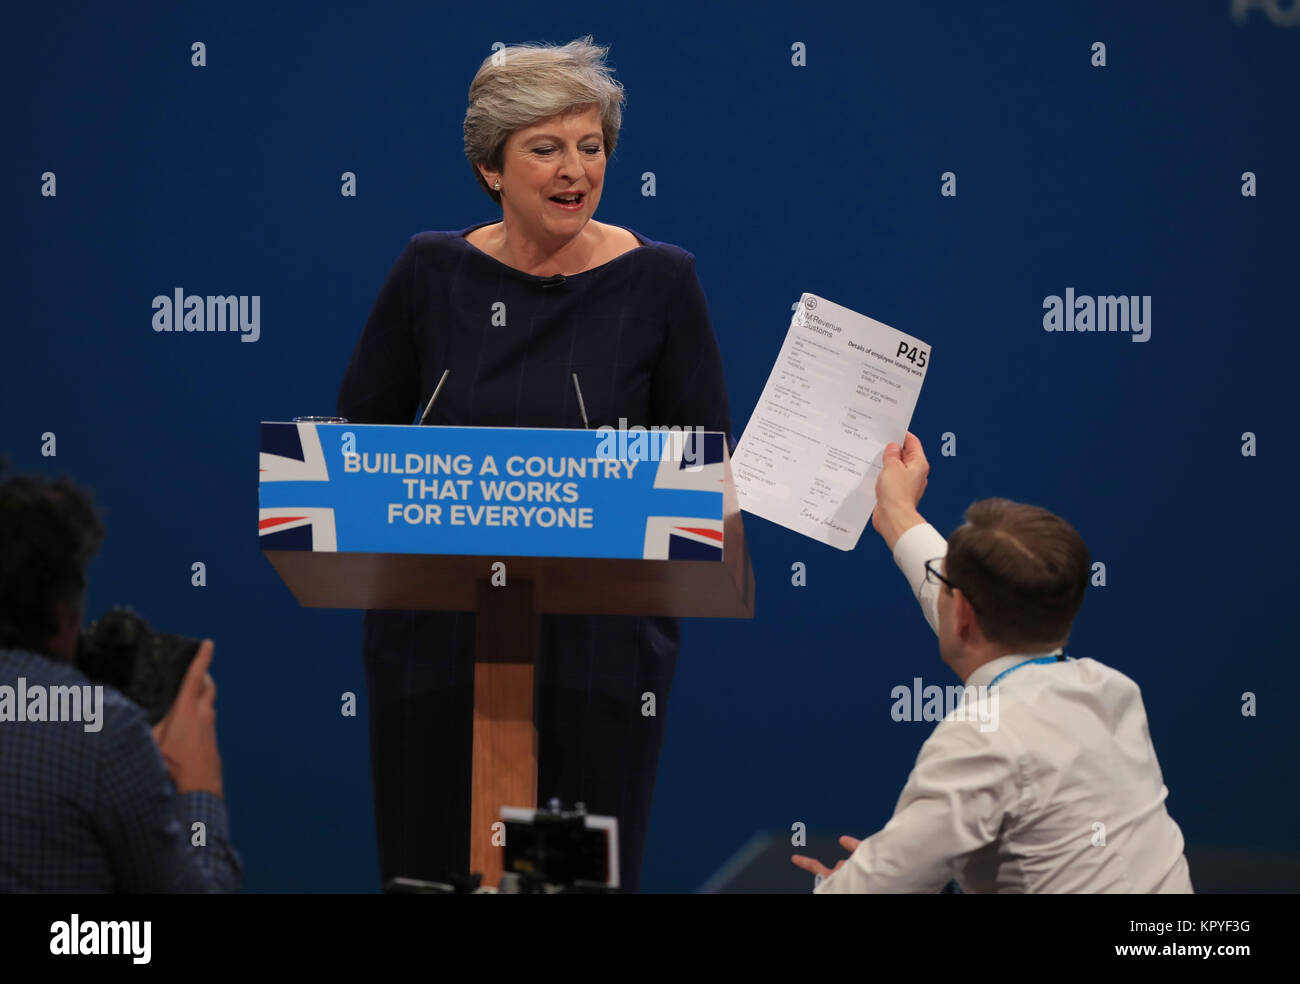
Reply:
x=163, y=837
x=899, y=488
x=913, y=549
x=954, y=803
x=148, y=829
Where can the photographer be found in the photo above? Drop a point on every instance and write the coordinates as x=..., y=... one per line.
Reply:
x=1063, y=793
x=99, y=802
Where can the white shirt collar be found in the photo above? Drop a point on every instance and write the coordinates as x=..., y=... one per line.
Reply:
x=984, y=674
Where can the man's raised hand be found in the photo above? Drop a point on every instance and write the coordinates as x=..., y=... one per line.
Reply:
x=899, y=488
x=187, y=736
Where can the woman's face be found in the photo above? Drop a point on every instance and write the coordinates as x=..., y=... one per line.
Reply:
x=560, y=156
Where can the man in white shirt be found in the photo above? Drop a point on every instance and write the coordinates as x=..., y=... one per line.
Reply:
x=1057, y=790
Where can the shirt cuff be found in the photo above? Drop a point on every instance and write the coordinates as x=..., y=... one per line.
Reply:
x=917, y=545
x=853, y=877
x=206, y=808
x=825, y=887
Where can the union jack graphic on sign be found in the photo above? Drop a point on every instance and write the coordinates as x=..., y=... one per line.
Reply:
x=292, y=453
x=696, y=463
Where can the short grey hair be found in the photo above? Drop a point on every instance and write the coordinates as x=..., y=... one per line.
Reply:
x=524, y=84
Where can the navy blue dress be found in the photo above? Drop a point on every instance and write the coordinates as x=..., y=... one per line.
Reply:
x=637, y=333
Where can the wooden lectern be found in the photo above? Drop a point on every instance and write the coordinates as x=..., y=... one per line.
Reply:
x=504, y=770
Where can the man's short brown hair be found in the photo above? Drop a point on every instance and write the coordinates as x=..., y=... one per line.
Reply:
x=1024, y=570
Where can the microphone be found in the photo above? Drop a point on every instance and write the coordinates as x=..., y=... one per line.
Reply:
x=582, y=407
x=554, y=281
x=436, y=390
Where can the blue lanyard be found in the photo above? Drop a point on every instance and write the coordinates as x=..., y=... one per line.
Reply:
x=1042, y=659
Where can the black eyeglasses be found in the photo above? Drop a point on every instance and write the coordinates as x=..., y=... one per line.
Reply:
x=933, y=576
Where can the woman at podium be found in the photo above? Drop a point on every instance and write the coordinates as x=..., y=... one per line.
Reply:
x=512, y=310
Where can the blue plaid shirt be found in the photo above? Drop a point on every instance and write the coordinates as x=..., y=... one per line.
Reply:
x=94, y=810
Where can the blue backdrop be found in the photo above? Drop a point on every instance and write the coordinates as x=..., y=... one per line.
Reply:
x=1125, y=178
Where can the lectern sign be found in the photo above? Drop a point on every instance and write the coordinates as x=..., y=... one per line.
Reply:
x=480, y=490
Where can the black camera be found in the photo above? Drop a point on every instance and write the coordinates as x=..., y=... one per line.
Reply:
x=122, y=651
x=547, y=851
x=550, y=851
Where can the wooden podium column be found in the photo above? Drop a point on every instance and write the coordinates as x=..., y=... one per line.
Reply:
x=504, y=771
